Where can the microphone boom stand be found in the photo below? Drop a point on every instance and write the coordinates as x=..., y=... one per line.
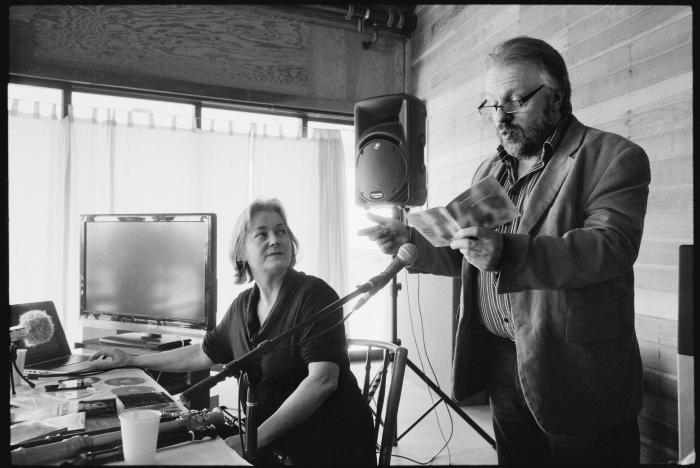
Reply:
x=395, y=288
x=250, y=364
x=13, y=365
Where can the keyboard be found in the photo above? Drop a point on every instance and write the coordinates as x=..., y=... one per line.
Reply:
x=59, y=362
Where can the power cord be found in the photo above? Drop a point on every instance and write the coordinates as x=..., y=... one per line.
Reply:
x=449, y=414
x=446, y=440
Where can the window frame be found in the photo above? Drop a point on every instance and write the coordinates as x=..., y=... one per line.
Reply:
x=68, y=87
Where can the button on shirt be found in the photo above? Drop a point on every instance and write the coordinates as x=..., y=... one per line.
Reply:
x=495, y=309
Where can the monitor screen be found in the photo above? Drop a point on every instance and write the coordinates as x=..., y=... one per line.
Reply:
x=157, y=269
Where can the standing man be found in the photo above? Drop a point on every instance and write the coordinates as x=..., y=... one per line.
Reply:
x=547, y=318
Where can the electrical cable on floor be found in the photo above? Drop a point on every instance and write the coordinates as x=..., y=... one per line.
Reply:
x=415, y=340
x=432, y=370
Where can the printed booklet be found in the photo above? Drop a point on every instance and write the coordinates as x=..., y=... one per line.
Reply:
x=484, y=204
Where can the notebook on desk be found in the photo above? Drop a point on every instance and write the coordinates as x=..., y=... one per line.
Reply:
x=54, y=355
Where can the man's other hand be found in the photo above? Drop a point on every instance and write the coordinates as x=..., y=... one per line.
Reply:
x=481, y=247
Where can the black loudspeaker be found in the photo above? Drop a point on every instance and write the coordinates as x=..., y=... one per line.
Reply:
x=685, y=300
x=389, y=144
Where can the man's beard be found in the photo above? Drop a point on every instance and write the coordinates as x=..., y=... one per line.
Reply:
x=521, y=144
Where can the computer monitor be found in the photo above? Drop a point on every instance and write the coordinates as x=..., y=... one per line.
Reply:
x=155, y=271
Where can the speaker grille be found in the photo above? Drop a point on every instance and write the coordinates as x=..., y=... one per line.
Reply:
x=382, y=171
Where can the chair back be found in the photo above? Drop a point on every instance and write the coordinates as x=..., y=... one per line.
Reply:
x=385, y=364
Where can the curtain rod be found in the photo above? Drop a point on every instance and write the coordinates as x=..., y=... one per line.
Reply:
x=176, y=97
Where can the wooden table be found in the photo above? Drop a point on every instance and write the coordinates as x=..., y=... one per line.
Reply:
x=104, y=385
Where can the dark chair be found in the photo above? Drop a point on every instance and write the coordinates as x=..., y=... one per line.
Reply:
x=383, y=396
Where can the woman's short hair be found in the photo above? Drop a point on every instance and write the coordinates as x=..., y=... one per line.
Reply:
x=537, y=52
x=236, y=252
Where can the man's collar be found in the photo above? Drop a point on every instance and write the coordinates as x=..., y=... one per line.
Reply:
x=554, y=139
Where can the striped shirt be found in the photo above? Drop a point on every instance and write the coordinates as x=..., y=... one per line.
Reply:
x=495, y=309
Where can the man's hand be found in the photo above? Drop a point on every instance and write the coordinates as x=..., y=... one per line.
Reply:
x=109, y=358
x=389, y=233
x=481, y=247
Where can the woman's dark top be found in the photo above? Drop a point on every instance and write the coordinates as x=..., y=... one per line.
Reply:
x=340, y=430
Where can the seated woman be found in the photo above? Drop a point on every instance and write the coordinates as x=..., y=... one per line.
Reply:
x=310, y=408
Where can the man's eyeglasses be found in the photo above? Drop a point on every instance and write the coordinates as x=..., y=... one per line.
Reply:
x=509, y=107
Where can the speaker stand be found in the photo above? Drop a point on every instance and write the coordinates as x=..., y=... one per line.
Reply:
x=395, y=288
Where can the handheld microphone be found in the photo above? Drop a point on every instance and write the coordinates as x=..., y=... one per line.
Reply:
x=407, y=254
x=35, y=327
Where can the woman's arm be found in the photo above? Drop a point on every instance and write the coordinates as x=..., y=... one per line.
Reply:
x=307, y=398
x=186, y=359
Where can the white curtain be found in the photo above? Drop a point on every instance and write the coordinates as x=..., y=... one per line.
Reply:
x=309, y=178
x=62, y=168
x=333, y=233
x=38, y=166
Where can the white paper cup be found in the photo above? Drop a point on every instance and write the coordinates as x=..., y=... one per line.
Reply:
x=139, y=436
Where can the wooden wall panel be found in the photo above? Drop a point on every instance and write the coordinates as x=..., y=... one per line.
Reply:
x=241, y=52
x=631, y=69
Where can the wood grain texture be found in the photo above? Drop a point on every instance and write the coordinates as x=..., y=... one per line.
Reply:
x=660, y=385
x=658, y=331
x=658, y=252
x=686, y=405
x=661, y=410
x=210, y=50
x=674, y=225
x=658, y=441
x=671, y=144
x=658, y=357
x=658, y=277
x=217, y=45
x=643, y=26
x=652, y=302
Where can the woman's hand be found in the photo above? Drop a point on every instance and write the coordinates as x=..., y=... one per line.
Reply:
x=109, y=358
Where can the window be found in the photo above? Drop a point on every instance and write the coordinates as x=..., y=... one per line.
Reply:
x=27, y=99
x=226, y=120
x=126, y=110
x=365, y=258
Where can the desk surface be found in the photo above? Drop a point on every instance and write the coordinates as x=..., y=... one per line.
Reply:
x=37, y=404
x=173, y=382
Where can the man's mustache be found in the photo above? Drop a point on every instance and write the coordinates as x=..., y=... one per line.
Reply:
x=510, y=131
x=509, y=128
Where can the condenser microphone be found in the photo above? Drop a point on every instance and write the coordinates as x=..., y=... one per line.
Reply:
x=407, y=254
x=35, y=327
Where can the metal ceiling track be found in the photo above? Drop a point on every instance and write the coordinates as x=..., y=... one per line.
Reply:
x=390, y=20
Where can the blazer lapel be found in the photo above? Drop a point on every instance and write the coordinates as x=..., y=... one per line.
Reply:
x=552, y=178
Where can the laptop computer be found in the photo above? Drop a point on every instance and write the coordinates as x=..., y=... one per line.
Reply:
x=54, y=355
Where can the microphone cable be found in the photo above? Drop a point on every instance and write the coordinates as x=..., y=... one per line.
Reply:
x=432, y=370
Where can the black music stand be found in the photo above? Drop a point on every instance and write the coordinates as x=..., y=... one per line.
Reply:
x=395, y=288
